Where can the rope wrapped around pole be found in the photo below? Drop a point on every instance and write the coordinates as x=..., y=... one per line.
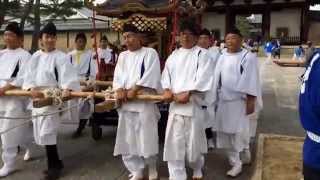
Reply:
x=106, y=96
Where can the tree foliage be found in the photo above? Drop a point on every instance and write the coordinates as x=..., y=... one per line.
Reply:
x=243, y=25
x=37, y=12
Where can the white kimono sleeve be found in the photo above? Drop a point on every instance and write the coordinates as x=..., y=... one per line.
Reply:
x=152, y=75
x=21, y=76
x=166, y=76
x=119, y=75
x=29, y=76
x=249, y=81
x=216, y=80
x=68, y=78
x=204, y=76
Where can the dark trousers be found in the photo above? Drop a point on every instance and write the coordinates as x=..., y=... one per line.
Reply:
x=310, y=173
x=209, y=133
x=53, y=157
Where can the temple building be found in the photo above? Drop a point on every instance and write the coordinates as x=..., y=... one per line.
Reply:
x=290, y=20
x=286, y=19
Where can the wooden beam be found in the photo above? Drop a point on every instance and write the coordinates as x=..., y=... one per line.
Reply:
x=228, y=19
x=255, y=8
x=305, y=22
x=97, y=83
x=104, y=106
x=73, y=94
x=247, y=2
x=266, y=20
x=68, y=40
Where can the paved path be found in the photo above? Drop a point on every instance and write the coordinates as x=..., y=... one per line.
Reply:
x=86, y=159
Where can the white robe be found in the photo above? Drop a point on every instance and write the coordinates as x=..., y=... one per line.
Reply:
x=210, y=114
x=10, y=62
x=187, y=70
x=236, y=75
x=105, y=54
x=137, y=132
x=42, y=74
x=86, y=69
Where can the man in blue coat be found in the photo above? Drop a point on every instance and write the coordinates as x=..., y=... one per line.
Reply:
x=309, y=107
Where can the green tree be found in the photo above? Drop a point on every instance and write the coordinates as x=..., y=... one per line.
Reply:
x=51, y=9
x=7, y=8
x=38, y=12
x=243, y=25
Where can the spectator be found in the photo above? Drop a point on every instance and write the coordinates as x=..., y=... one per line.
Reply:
x=309, y=105
x=298, y=53
x=268, y=50
x=309, y=52
x=276, y=49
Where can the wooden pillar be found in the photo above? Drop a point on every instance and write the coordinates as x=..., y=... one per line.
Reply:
x=305, y=23
x=228, y=19
x=199, y=20
x=68, y=40
x=266, y=20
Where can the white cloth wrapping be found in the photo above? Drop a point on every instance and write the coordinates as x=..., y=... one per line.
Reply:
x=187, y=70
x=237, y=76
x=177, y=169
x=138, y=120
x=48, y=70
x=11, y=61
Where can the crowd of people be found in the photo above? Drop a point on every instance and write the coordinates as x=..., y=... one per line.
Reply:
x=213, y=94
x=272, y=50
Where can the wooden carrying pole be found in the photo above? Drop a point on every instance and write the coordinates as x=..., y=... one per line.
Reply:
x=97, y=83
x=99, y=95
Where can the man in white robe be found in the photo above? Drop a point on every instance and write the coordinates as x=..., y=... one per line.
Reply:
x=204, y=42
x=104, y=53
x=82, y=61
x=12, y=69
x=236, y=88
x=186, y=79
x=137, y=69
x=49, y=68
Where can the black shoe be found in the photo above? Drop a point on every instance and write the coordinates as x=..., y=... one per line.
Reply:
x=82, y=125
x=59, y=166
x=77, y=134
x=52, y=174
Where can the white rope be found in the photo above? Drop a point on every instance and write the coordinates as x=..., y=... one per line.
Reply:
x=40, y=115
x=34, y=116
x=14, y=127
x=108, y=93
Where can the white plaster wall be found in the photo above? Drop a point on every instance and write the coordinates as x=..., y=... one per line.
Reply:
x=239, y=2
x=214, y=21
x=289, y=18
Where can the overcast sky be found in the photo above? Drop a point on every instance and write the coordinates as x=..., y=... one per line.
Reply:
x=317, y=8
